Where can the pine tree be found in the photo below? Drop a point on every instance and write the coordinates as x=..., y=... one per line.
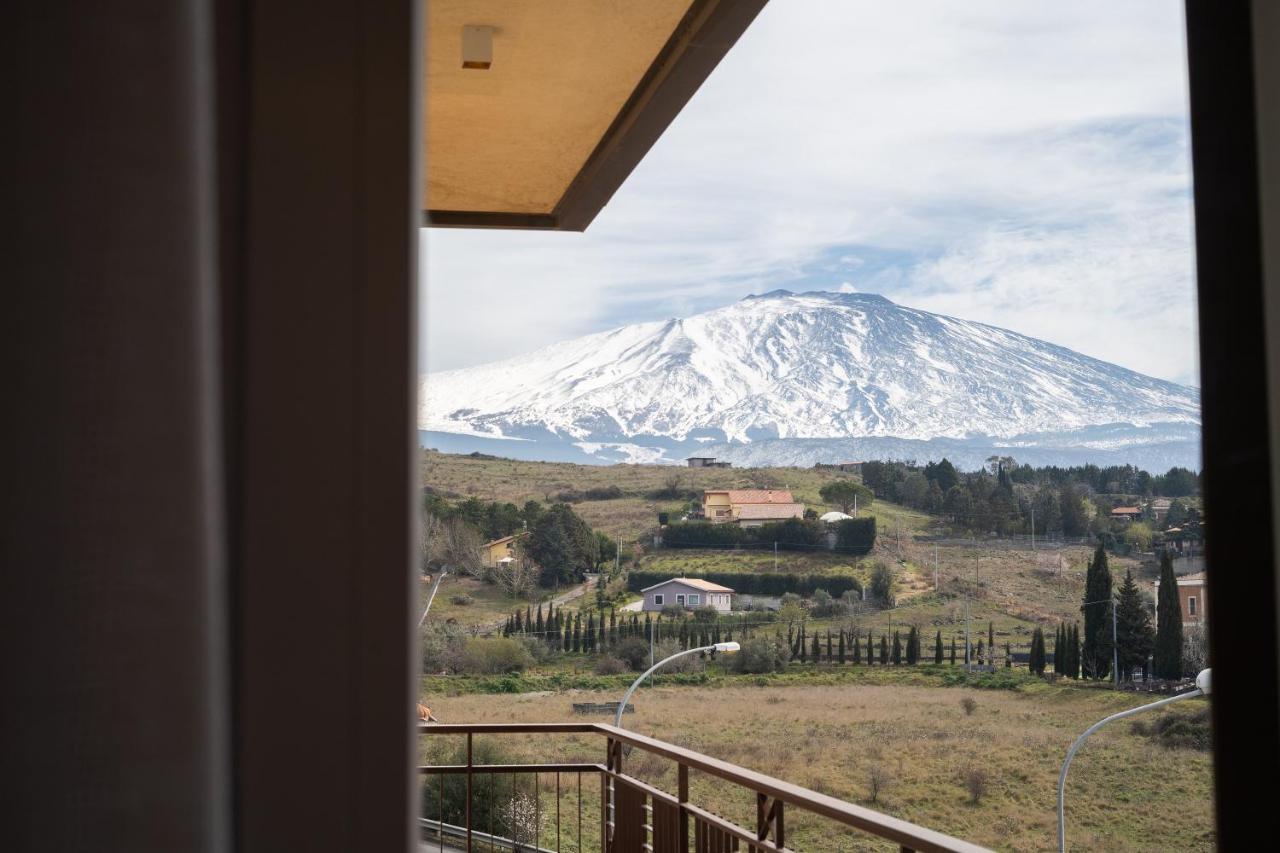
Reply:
x=841, y=647
x=1168, y=643
x=1096, y=654
x=1134, y=637
x=937, y=648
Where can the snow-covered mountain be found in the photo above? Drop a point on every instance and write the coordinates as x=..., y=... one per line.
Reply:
x=795, y=378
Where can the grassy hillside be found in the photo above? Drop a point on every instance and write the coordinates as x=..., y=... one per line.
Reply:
x=635, y=513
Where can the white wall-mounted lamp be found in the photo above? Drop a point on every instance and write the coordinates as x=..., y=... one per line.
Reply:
x=477, y=47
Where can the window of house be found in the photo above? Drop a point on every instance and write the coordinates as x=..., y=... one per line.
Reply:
x=659, y=598
x=679, y=599
x=1191, y=605
x=695, y=600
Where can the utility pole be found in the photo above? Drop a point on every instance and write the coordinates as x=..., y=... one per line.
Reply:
x=1033, y=527
x=775, y=557
x=855, y=504
x=935, y=566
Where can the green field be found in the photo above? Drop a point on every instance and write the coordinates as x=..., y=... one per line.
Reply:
x=1125, y=793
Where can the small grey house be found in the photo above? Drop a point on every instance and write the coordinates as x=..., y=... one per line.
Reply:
x=691, y=593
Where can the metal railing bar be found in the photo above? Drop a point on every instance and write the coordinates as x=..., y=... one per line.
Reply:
x=455, y=831
x=436, y=769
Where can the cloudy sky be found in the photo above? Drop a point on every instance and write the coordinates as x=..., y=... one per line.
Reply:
x=1022, y=163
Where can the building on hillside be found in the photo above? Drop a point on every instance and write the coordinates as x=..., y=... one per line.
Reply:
x=690, y=593
x=722, y=505
x=1160, y=508
x=1126, y=513
x=706, y=462
x=1191, y=598
x=500, y=550
x=844, y=467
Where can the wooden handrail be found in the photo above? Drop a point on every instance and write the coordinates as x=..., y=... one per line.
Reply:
x=908, y=835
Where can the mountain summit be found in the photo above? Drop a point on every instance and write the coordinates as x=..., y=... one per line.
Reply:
x=783, y=367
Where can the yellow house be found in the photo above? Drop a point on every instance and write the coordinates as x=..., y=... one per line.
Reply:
x=720, y=505
x=500, y=549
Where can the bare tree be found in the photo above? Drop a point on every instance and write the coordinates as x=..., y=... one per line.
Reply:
x=517, y=576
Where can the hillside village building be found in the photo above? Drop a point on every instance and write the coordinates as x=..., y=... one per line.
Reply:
x=750, y=507
x=690, y=593
x=1191, y=598
x=500, y=550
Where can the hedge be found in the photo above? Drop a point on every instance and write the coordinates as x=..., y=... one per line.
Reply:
x=857, y=535
x=751, y=583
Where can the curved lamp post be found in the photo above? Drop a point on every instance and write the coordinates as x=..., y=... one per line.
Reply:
x=1201, y=689
x=727, y=648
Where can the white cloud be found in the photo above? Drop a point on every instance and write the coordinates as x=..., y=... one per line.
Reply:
x=1019, y=163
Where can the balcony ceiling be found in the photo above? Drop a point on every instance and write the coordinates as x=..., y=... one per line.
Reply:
x=577, y=93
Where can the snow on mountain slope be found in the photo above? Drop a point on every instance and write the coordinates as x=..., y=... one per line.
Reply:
x=786, y=366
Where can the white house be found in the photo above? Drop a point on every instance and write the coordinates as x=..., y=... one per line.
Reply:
x=690, y=593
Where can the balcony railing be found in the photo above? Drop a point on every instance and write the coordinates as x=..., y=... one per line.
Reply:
x=624, y=814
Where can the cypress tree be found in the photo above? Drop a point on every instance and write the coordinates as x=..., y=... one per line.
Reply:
x=856, y=642
x=912, y=651
x=1035, y=660
x=1057, y=648
x=519, y=627
x=1134, y=638
x=1168, y=644
x=816, y=651
x=539, y=626
x=829, y=658
x=528, y=619
x=953, y=649
x=1008, y=656
x=897, y=649
x=884, y=651
x=982, y=658
x=870, y=651
x=991, y=642
x=589, y=635
x=1073, y=648
x=577, y=633
x=937, y=648
x=1096, y=654
x=841, y=646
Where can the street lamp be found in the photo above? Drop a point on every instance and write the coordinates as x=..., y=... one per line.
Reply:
x=1201, y=689
x=727, y=648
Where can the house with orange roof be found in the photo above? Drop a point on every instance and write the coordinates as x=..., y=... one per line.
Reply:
x=750, y=507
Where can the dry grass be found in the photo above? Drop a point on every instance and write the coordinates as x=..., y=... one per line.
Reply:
x=922, y=752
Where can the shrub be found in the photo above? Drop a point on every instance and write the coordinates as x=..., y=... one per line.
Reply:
x=492, y=799
x=673, y=611
x=877, y=780
x=461, y=599
x=969, y=704
x=761, y=655
x=883, y=585
x=441, y=645
x=706, y=614
x=496, y=656
x=858, y=534
x=975, y=782
x=609, y=665
x=634, y=651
